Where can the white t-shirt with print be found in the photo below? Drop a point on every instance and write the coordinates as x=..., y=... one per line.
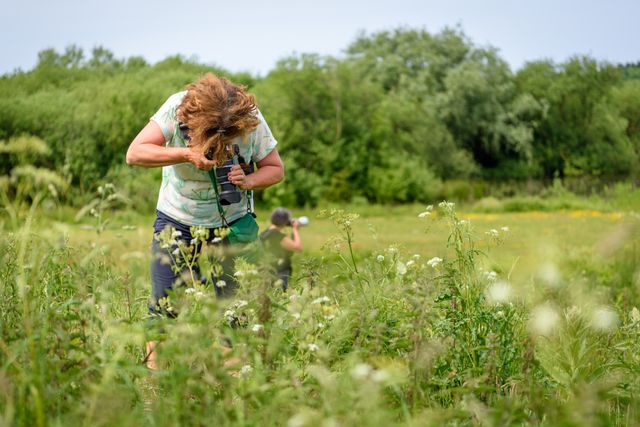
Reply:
x=186, y=193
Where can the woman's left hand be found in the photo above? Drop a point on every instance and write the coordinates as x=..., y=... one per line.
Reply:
x=237, y=177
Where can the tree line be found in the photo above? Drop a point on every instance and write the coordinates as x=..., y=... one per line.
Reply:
x=390, y=120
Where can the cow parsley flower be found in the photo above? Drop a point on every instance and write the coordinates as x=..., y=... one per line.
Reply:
x=492, y=233
x=604, y=319
x=499, y=292
x=401, y=268
x=491, y=276
x=321, y=300
x=544, y=319
x=361, y=371
x=434, y=262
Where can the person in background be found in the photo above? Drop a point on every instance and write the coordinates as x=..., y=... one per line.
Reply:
x=280, y=247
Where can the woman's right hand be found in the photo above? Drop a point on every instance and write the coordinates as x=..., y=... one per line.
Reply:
x=199, y=160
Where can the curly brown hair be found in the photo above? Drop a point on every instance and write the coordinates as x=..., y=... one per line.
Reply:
x=217, y=111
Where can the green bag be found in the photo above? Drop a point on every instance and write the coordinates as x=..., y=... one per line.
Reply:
x=242, y=230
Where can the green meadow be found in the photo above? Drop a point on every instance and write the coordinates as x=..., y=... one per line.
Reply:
x=517, y=306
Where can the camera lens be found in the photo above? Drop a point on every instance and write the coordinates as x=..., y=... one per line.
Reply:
x=229, y=193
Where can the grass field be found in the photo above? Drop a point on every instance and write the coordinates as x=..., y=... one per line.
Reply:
x=533, y=237
x=530, y=318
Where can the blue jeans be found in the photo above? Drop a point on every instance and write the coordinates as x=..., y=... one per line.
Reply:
x=163, y=276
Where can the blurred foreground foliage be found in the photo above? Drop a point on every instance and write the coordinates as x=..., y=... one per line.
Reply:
x=379, y=339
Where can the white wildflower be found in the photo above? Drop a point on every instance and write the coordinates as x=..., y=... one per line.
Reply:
x=176, y=252
x=321, y=300
x=361, y=371
x=320, y=325
x=401, y=268
x=312, y=346
x=499, y=292
x=544, y=319
x=380, y=258
x=416, y=256
x=410, y=263
x=176, y=233
x=221, y=283
x=392, y=250
x=492, y=233
x=426, y=212
x=434, y=262
x=491, y=276
x=446, y=205
x=230, y=314
x=199, y=232
x=604, y=319
x=257, y=328
x=189, y=291
x=246, y=370
x=298, y=420
x=238, y=273
x=505, y=229
x=200, y=294
x=380, y=376
x=216, y=240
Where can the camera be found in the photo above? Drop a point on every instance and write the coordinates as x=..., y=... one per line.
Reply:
x=229, y=193
x=302, y=221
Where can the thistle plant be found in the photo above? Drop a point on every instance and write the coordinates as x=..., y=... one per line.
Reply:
x=344, y=221
x=106, y=198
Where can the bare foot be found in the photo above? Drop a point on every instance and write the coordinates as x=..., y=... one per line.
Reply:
x=235, y=360
x=150, y=358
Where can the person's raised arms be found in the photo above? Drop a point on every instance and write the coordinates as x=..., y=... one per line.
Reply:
x=148, y=151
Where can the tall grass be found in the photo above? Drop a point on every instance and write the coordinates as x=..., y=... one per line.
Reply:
x=383, y=339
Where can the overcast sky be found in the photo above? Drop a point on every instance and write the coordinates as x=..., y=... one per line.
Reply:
x=252, y=35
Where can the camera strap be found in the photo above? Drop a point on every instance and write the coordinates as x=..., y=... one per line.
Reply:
x=212, y=178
